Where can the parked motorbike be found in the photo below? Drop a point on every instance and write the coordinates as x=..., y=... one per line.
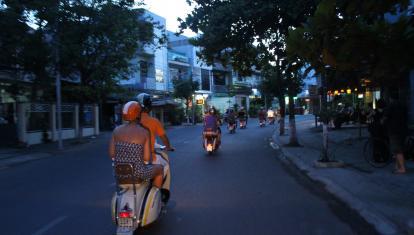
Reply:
x=137, y=203
x=210, y=141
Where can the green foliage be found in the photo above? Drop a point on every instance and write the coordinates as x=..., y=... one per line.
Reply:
x=244, y=33
x=94, y=41
x=176, y=116
x=250, y=35
x=184, y=88
x=358, y=38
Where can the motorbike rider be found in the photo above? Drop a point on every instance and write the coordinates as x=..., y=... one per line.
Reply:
x=130, y=143
x=270, y=113
x=231, y=117
x=155, y=128
x=211, y=124
x=262, y=114
x=242, y=114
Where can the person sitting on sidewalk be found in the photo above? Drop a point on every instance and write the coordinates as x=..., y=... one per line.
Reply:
x=396, y=123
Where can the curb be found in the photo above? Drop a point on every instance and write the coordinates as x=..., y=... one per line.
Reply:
x=381, y=223
x=9, y=162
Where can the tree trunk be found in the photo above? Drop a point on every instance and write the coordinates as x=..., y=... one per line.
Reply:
x=293, y=140
x=282, y=115
x=187, y=103
x=325, y=133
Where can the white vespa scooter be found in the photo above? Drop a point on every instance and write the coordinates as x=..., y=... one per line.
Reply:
x=137, y=203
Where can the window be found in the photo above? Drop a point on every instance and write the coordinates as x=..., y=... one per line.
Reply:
x=219, y=78
x=88, y=118
x=205, y=80
x=143, y=66
x=159, y=75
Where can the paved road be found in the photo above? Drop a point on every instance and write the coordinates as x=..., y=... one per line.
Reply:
x=243, y=189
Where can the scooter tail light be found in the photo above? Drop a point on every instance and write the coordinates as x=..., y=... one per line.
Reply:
x=125, y=214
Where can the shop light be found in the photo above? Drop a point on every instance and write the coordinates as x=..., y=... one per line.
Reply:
x=336, y=92
x=360, y=96
x=356, y=89
x=342, y=91
x=348, y=91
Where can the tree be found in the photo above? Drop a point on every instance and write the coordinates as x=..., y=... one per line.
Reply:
x=184, y=89
x=245, y=34
x=273, y=85
x=25, y=50
x=344, y=37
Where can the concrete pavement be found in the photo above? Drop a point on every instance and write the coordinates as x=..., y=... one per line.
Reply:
x=383, y=199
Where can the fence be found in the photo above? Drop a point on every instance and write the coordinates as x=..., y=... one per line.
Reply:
x=37, y=122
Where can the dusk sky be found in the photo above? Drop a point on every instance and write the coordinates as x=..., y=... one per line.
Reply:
x=170, y=10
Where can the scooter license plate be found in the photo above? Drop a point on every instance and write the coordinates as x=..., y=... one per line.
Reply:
x=125, y=222
x=209, y=148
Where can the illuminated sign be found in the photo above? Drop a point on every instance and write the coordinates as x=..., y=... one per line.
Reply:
x=200, y=101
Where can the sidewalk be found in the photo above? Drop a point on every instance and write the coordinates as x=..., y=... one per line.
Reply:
x=10, y=157
x=382, y=198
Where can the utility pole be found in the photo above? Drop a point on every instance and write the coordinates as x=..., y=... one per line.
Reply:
x=58, y=82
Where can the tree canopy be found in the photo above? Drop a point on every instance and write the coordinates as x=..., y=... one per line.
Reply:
x=244, y=33
x=368, y=39
x=94, y=40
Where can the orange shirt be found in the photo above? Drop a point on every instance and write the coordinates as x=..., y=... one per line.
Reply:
x=154, y=125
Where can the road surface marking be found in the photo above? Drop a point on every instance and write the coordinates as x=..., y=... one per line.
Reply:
x=50, y=225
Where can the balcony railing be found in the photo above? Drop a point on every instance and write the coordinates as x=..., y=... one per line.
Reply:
x=220, y=89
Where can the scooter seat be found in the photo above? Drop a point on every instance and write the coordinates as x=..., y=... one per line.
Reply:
x=129, y=181
x=210, y=133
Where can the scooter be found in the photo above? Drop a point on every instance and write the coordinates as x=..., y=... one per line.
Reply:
x=232, y=128
x=271, y=120
x=137, y=203
x=262, y=123
x=210, y=142
x=242, y=124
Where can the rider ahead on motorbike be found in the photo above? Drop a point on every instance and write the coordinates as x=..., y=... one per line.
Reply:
x=211, y=124
x=262, y=114
x=231, y=117
x=270, y=113
x=242, y=114
x=130, y=143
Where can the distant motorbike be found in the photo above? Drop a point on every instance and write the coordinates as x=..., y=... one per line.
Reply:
x=232, y=127
x=210, y=142
x=137, y=203
x=271, y=120
x=262, y=123
x=242, y=123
